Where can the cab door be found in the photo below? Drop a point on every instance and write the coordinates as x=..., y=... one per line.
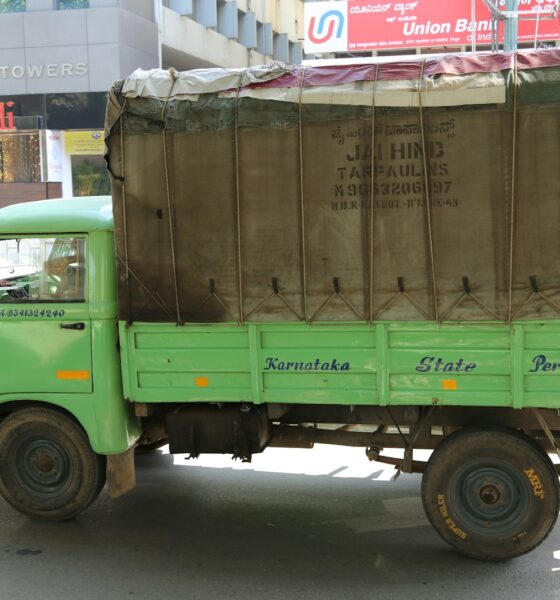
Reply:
x=45, y=327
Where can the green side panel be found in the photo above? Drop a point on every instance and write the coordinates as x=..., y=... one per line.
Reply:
x=464, y=365
x=256, y=363
x=387, y=363
x=35, y=351
x=298, y=362
x=166, y=363
x=541, y=365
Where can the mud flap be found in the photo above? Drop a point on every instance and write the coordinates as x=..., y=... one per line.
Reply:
x=121, y=474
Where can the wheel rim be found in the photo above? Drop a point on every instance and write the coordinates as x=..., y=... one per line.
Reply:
x=42, y=467
x=490, y=497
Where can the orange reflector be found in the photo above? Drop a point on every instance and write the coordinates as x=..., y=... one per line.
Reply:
x=79, y=375
x=449, y=384
x=201, y=381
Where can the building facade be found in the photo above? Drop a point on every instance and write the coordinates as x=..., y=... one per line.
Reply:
x=58, y=58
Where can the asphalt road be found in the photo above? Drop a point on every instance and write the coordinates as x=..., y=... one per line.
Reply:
x=321, y=523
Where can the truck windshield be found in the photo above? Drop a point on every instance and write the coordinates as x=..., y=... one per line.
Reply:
x=42, y=269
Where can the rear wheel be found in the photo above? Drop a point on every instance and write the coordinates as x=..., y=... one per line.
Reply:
x=491, y=494
x=48, y=469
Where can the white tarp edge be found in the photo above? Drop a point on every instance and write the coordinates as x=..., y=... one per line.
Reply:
x=159, y=83
x=445, y=90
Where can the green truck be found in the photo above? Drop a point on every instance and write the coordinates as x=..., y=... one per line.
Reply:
x=359, y=255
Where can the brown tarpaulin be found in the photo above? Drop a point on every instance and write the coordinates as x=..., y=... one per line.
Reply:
x=239, y=209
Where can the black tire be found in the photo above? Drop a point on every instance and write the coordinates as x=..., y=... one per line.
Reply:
x=48, y=469
x=491, y=494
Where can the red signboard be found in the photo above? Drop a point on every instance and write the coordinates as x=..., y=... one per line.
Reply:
x=361, y=25
x=6, y=115
x=430, y=23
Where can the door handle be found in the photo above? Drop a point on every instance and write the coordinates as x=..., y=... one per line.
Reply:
x=78, y=326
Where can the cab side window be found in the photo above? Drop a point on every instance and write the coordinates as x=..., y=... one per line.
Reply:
x=35, y=270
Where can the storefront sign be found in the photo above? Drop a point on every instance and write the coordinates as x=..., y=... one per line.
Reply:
x=43, y=70
x=361, y=25
x=6, y=115
x=84, y=143
x=51, y=155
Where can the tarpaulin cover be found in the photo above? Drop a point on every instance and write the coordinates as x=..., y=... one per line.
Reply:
x=402, y=190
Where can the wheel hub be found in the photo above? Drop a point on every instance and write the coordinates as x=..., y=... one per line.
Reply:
x=43, y=466
x=44, y=463
x=489, y=494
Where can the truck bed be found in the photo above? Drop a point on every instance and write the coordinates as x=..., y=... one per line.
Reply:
x=387, y=363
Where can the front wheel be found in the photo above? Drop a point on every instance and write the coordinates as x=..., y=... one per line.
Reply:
x=48, y=469
x=491, y=494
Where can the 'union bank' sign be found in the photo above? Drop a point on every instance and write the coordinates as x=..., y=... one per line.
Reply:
x=43, y=70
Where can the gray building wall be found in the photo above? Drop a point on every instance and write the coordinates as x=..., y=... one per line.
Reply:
x=47, y=50
x=230, y=33
x=44, y=50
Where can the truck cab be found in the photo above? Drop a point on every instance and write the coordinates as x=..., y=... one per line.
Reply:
x=59, y=351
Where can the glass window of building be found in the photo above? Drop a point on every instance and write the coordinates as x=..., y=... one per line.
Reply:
x=12, y=6
x=70, y=4
x=90, y=176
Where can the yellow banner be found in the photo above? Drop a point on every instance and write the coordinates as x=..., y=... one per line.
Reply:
x=84, y=142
